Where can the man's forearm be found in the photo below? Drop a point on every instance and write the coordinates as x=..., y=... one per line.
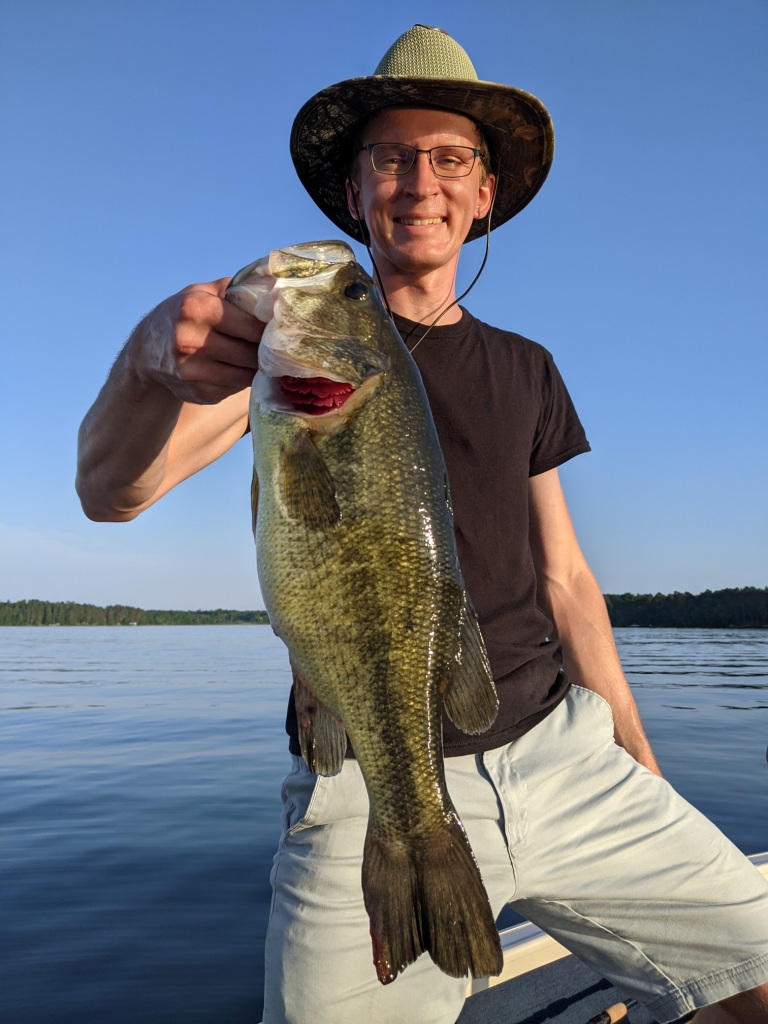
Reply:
x=591, y=659
x=123, y=444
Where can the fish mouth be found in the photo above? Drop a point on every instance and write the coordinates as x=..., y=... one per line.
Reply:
x=314, y=396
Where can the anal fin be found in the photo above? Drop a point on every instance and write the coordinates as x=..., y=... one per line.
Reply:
x=470, y=699
x=322, y=737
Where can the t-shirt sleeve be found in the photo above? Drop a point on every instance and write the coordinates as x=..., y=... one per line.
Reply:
x=559, y=433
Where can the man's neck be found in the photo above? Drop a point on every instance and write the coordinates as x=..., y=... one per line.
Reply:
x=422, y=299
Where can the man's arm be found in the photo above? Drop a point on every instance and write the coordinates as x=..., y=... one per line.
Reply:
x=569, y=592
x=175, y=400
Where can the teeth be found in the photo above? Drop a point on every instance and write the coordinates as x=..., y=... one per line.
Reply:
x=413, y=221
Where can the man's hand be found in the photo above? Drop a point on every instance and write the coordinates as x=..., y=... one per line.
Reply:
x=196, y=345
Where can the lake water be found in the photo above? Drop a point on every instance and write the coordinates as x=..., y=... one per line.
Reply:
x=139, y=787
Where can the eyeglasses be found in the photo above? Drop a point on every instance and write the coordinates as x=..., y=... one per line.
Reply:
x=445, y=161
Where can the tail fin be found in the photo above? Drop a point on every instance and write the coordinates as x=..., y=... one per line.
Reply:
x=429, y=898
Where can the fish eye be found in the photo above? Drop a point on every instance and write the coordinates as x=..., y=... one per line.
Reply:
x=356, y=290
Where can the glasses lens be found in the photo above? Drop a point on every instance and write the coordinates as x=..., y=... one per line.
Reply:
x=453, y=161
x=391, y=158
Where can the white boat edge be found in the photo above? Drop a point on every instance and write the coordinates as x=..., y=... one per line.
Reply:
x=527, y=947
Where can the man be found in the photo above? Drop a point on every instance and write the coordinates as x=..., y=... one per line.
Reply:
x=562, y=799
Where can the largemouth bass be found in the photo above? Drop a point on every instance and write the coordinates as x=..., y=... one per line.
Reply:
x=359, y=573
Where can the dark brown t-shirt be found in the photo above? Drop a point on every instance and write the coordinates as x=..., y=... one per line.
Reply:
x=502, y=414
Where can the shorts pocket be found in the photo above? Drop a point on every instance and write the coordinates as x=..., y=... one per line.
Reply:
x=311, y=800
x=600, y=704
x=302, y=794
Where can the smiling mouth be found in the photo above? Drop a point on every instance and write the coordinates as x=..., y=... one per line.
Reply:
x=419, y=222
x=315, y=395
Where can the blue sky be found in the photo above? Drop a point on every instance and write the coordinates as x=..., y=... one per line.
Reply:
x=145, y=147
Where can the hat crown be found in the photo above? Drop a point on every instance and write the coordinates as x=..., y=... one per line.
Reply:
x=426, y=52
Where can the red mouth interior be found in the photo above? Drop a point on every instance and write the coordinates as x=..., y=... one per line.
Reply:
x=315, y=395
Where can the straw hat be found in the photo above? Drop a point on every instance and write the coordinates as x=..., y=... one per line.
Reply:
x=425, y=67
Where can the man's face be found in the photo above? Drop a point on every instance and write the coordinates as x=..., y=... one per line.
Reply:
x=416, y=220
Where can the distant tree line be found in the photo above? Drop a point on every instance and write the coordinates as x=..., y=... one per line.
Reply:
x=70, y=613
x=737, y=608
x=744, y=608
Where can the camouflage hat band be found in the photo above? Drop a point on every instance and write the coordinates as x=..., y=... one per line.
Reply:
x=424, y=67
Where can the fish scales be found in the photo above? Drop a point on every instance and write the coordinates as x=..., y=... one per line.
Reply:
x=358, y=569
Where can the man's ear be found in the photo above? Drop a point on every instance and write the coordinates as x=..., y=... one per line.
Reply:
x=485, y=196
x=354, y=200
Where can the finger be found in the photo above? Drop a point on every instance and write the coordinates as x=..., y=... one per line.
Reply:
x=235, y=315
x=239, y=324
x=221, y=361
x=204, y=305
x=232, y=351
x=204, y=370
x=203, y=344
x=201, y=380
x=204, y=394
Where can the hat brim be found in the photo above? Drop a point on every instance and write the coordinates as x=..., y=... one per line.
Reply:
x=515, y=125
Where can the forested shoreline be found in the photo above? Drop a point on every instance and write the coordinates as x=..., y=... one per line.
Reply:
x=735, y=608
x=71, y=613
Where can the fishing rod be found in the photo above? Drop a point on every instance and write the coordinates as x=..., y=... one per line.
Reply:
x=613, y=1014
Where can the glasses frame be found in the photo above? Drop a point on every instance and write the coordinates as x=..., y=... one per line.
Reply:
x=415, y=150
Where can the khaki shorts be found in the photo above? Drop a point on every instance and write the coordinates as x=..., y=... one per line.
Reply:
x=566, y=827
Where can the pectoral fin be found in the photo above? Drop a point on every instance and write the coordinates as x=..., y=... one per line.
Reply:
x=308, y=487
x=470, y=699
x=254, y=499
x=322, y=737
